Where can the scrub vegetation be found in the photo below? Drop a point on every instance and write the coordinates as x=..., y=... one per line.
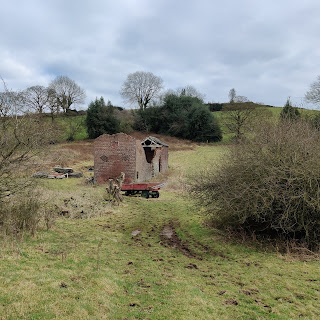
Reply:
x=241, y=243
x=93, y=264
x=268, y=184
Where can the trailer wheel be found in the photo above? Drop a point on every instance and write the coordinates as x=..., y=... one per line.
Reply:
x=155, y=194
x=145, y=194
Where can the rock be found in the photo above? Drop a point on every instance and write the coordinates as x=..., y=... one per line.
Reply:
x=135, y=233
x=62, y=176
x=56, y=175
x=75, y=175
x=59, y=169
x=40, y=174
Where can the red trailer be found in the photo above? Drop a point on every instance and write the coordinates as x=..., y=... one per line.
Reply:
x=145, y=189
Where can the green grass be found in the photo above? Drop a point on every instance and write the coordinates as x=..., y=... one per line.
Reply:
x=95, y=269
x=73, y=124
x=76, y=124
x=271, y=112
x=70, y=125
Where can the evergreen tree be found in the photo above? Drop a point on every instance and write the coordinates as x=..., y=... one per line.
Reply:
x=289, y=112
x=180, y=116
x=101, y=119
x=202, y=126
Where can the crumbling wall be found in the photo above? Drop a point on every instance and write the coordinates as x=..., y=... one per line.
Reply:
x=149, y=163
x=164, y=158
x=114, y=154
x=118, y=153
x=143, y=168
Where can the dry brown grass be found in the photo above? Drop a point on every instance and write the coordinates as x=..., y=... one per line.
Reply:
x=71, y=154
x=65, y=154
x=72, y=198
x=84, y=148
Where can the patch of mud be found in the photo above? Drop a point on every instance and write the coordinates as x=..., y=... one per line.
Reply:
x=168, y=232
x=231, y=302
x=169, y=238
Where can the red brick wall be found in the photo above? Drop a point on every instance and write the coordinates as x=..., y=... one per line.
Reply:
x=118, y=153
x=114, y=154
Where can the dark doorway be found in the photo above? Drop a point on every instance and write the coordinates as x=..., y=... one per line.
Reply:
x=149, y=154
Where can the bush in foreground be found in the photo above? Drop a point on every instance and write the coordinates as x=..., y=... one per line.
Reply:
x=270, y=184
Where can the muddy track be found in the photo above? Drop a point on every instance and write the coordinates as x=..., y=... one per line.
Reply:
x=170, y=238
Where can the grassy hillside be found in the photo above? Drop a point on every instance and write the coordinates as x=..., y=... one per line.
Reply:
x=272, y=113
x=91, y=265
x=75, y=125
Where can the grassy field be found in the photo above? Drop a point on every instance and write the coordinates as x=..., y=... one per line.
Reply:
x=272, y=113
x=147, y=259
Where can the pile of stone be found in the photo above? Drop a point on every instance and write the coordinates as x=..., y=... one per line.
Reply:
x=58, y=173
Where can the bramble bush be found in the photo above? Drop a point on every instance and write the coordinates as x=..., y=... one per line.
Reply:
x=269, y=184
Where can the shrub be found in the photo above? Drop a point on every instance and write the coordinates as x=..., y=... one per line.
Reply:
x=20, y=213
x=213, y=106
x=180, y=116
x=125, y=118
x=316, y=121
x=148, y=120
x=201, y=126
x=269, y=184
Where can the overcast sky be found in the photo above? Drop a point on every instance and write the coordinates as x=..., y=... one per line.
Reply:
x=266, y=50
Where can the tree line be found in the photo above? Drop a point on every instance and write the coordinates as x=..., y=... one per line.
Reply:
x=180, y=113
x=60, y=95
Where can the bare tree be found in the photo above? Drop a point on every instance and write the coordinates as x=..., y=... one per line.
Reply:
x=21, y=137
x=190, y=91
x=36, y=98
x=237, y=117
x=52, y=103
x=67, y=92
x=241, y=99
x=5, y=105
x=11, y=104
x=141, y=87
x=232, y=95
x=313, y=95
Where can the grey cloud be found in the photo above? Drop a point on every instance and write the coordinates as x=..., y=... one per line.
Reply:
x=267, y=50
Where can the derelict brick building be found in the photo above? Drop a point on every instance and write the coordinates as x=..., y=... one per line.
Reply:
x=139, y=160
